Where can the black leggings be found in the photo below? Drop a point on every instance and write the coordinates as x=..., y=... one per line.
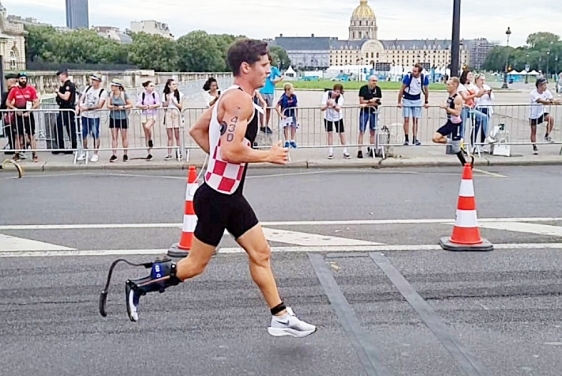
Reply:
x=217, y=212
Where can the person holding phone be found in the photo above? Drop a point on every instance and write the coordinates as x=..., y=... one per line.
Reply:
x=212, y=92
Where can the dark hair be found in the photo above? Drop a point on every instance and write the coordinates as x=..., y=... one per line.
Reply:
x=146, y=83
x=167, y=89
x=419, y=67
x=338, y=87
x=248, y=51
x=540, y=81
x=464, y=76
x=207, y=85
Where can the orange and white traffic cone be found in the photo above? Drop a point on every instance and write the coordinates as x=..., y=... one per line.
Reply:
x=182, y=248
x=466, y=233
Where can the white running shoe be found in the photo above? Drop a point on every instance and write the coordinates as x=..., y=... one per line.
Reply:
x=290, y=325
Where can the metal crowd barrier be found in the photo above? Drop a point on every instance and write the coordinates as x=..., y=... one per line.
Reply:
x=512, y=121
x=64, y=131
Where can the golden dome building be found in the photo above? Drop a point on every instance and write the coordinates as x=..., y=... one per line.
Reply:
x=365, y=49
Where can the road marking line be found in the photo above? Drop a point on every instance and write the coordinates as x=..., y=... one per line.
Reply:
x=467, y=362
x=273, y=223
x=306, y=239
x=248, y=177
x=496, y=175
x=533, y=228
x=340, y=249
x=14, y=244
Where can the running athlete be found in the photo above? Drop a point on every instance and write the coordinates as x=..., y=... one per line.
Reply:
x=226, y=132
x=453, y=108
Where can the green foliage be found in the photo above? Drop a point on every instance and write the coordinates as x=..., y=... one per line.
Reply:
x=197, y=51
x=543, y=51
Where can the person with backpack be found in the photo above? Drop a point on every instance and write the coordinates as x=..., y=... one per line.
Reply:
x=89, y=107
x=409, y=99
x=149, y=102
x=332, y=104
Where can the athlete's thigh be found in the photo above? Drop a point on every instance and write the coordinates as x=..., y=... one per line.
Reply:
x=213, y=212
x=245, y=228
x=241, y=217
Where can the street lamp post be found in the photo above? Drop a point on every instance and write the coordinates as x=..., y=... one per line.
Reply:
x=507, y=33
x=456, y=39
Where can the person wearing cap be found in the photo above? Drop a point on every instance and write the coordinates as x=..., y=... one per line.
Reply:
x=7, y=117
x=119, y=104
x=89, y=107
x=66, y=99
x=24, y=97
x=541, y=97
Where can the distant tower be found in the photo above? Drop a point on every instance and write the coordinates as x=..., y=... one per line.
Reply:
x=77, y=14
x=363, y=24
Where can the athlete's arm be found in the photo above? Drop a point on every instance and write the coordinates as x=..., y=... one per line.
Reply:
x=200, y=130
x=236, y=109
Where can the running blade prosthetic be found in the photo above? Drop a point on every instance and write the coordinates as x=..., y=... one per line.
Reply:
x=162, y=275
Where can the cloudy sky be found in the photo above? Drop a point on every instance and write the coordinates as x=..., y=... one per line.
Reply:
x=267, y=19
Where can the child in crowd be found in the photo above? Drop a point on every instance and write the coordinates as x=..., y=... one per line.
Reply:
x=287, y=110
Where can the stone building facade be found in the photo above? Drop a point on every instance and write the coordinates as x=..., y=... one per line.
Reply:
x=12, y=43
x=364, y=48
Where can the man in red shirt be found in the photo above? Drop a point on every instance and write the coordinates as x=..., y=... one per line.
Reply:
x=24, y=97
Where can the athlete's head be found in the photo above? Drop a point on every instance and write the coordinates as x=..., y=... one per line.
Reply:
x=248, y=59
x=453, y=85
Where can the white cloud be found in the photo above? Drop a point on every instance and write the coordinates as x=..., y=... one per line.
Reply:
x=402, y=19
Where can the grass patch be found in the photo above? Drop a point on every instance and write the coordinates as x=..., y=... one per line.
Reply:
x=350, y=85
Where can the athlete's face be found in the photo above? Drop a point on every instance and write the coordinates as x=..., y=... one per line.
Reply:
x=451, y=86
x=260, y=71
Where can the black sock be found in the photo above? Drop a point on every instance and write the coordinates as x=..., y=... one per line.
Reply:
x=406, y=138
x=461, y=158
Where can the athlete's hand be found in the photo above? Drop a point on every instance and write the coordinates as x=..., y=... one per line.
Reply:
x=278, y=154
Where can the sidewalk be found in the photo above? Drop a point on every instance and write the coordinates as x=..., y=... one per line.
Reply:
x=402, y=156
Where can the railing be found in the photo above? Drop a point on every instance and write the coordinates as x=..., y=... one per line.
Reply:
x=167, y=129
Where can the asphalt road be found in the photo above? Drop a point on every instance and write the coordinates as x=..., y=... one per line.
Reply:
x=495, y=313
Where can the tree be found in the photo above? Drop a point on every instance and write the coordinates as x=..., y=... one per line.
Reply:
x=279, y=57
x=543, y=51
x=197, y=51
x=542, y=40
x=37, y=41
x=153, y=52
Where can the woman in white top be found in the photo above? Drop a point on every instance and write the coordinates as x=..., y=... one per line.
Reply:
x=173, y=99
x=332, y=103
x=469, y=93
x=484, y=104
x=212, y=92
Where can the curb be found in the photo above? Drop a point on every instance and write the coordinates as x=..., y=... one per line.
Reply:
x=306, y=164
